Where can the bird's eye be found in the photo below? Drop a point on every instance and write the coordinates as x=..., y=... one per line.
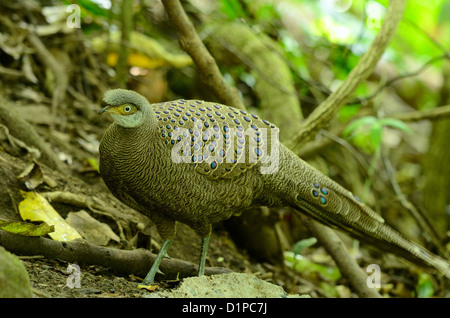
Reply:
x=128, y=109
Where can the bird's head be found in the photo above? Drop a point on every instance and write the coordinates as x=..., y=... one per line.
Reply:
x=128, y=108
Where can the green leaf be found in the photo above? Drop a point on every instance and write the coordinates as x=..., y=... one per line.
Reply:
x=348, y=111
x=376, y=134
x=301, y=245
x=25, y=228
x=233, y=9
x=329, y=290
x=425, y=288
x=303, y=265
x=367, y=120
x=395, y=123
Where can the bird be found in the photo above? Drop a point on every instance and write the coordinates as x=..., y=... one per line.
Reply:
x=200, y=163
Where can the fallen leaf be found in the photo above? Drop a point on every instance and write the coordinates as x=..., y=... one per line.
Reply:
x=92, y=230
x=32, y=176
x=146, y=51
x=35, y=207
x=148, y=287
x=25, y=228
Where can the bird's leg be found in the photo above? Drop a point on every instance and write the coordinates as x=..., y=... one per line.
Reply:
x=204, y=251
x=150, y=278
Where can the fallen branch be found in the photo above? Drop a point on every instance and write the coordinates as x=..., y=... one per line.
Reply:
x=123, y=262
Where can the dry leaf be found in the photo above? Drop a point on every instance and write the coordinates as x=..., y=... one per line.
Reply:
x=92, y=230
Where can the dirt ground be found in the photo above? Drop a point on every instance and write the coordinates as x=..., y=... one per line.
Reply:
x=52, y=278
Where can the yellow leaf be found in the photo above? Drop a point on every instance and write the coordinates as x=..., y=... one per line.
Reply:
x=148, y=287
x=145, y=52
x=93, y=162
x=35, y=207
x=138, y=60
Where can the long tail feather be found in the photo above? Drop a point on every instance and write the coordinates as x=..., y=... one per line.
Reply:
x=309, y=191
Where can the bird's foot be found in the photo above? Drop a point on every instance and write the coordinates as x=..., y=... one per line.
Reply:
x=150, y=278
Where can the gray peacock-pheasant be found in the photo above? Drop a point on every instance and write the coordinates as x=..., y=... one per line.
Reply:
x=199, y=163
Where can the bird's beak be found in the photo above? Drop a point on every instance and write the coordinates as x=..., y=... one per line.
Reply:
x=106, y=109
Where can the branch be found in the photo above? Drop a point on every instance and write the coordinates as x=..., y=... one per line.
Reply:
x=117, y=261
x=124, y=52
x=61, y=80
x=427, y=229
x=431, y=114
x=357, y=278
x=193, y=45
x=322, y=115
x=397, y=78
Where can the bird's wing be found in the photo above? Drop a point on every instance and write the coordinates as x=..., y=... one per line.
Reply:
x=218, y=140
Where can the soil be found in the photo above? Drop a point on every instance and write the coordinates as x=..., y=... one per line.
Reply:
x=52, y=277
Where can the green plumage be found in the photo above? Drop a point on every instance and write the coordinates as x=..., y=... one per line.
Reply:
x=199, y=163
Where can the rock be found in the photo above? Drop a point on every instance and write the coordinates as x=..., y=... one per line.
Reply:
x=14, y=278
x=230, y=285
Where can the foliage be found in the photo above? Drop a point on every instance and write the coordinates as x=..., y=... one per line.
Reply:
x=367, y=132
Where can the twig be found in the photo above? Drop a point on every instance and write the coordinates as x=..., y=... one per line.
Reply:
x=431, y=114
x=320, y=118
x=192, y=44
x=4, y=71
x=322, y=115
x=347, y=265
x=397, y=78
x=420, y=219
x=345, y=144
